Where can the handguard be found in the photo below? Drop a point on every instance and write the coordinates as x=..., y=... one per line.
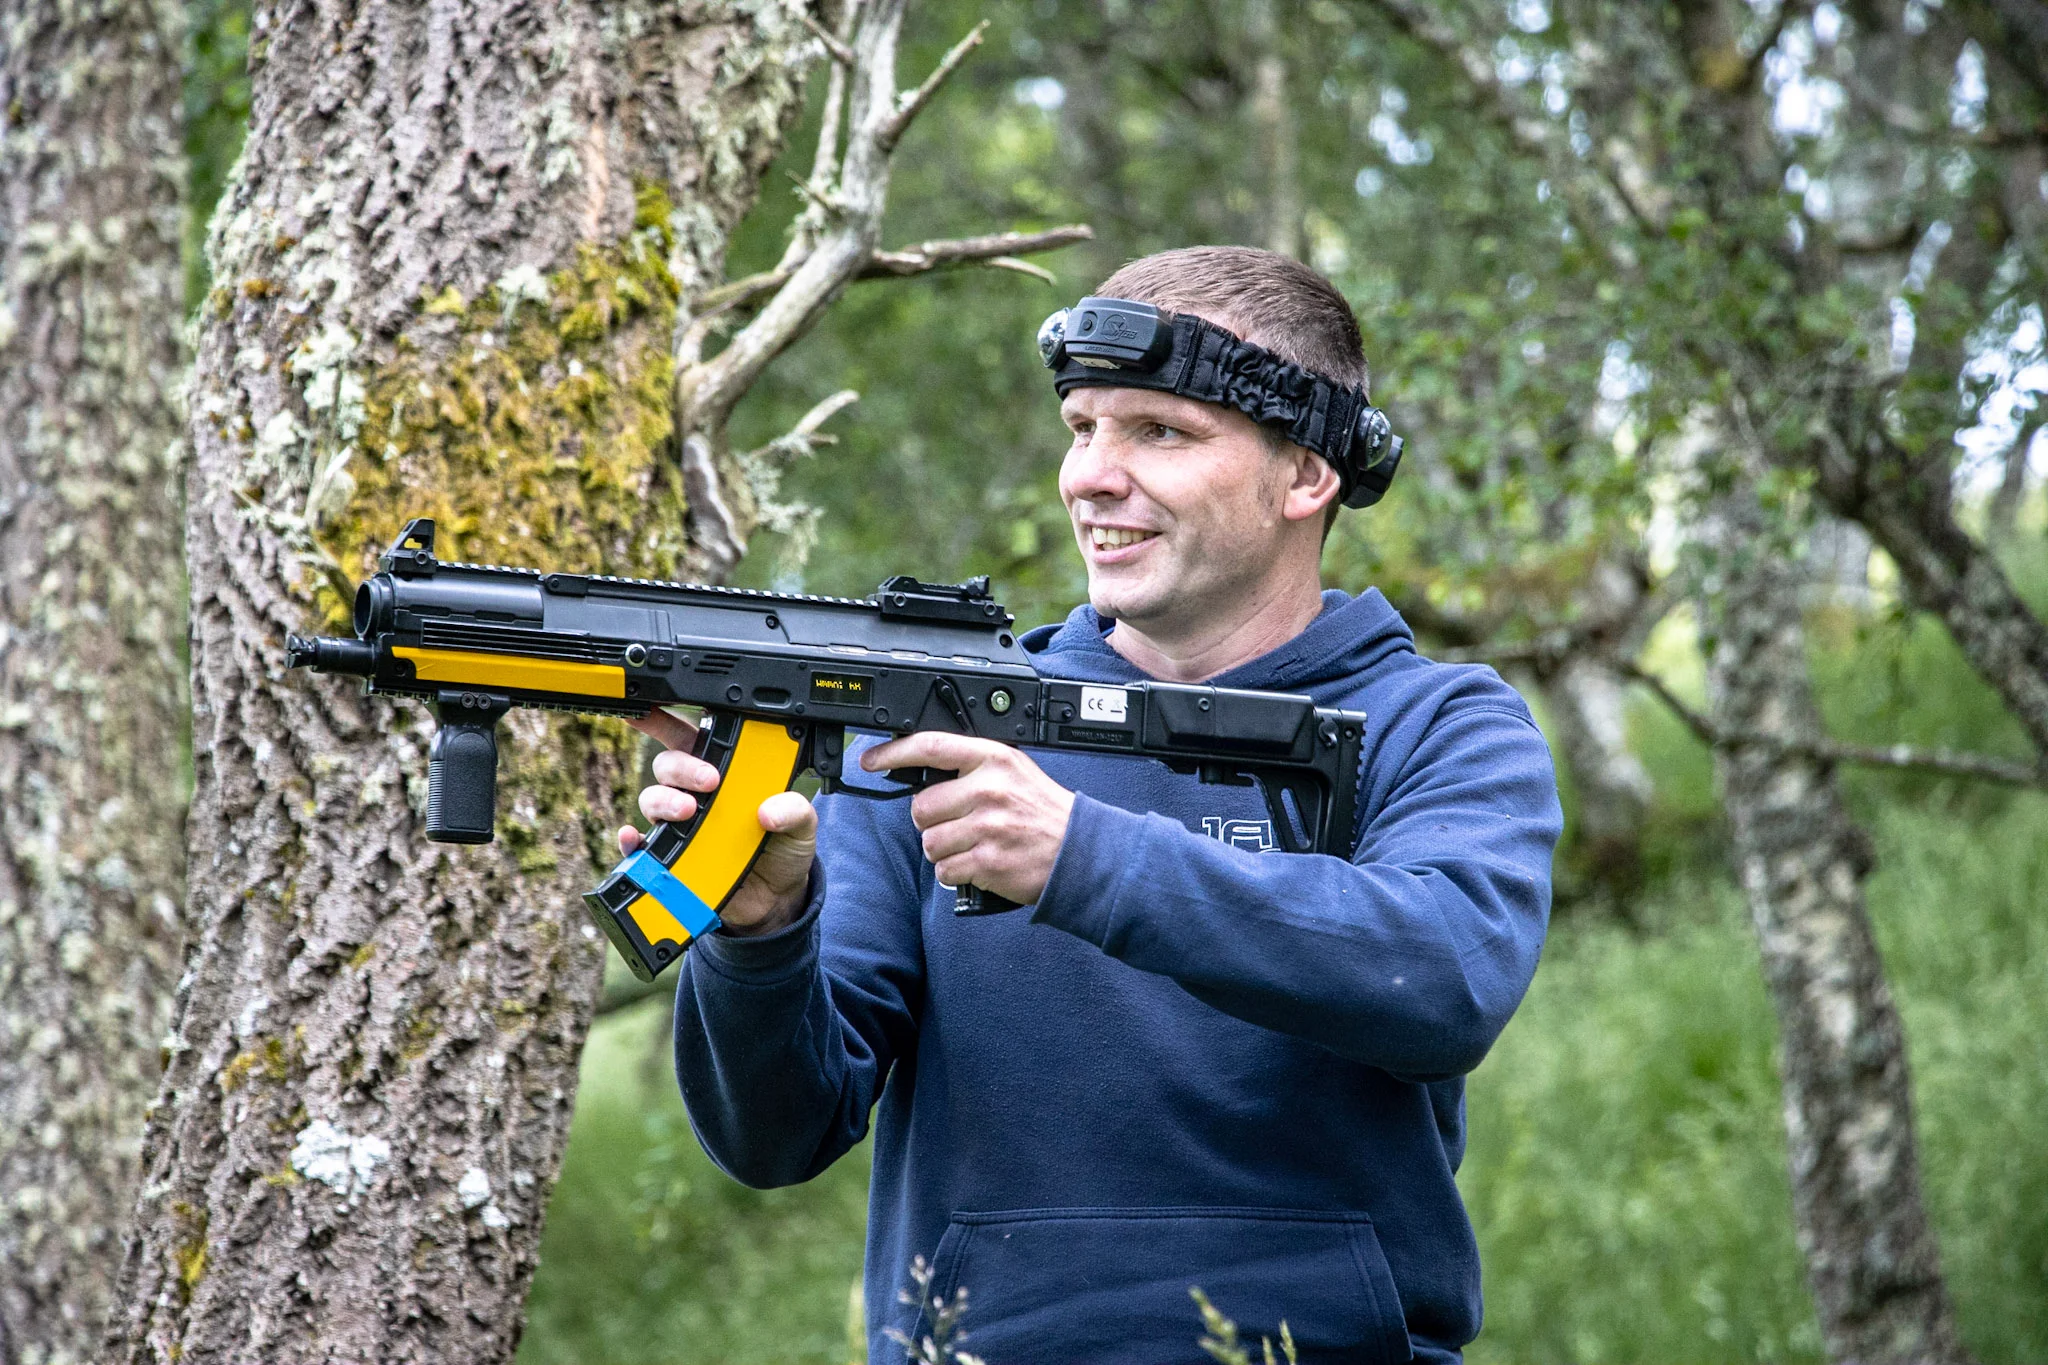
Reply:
x=781, y=678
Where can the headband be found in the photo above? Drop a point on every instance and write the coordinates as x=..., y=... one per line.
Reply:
x=1102, y=342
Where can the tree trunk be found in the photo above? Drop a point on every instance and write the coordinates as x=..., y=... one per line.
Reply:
x=1870, y=1253
x=1589, y=718
x=2012, y=488
x=92, y=705
x=447, y=275
x=1587, y=700
x=1278, y=141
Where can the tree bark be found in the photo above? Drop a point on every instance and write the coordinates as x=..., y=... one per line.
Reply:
x=92, y=704
x=447, y=276
x=1589, y=717
x=1871, y=1256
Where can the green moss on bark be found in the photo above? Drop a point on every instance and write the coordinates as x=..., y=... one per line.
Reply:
x=533, y=423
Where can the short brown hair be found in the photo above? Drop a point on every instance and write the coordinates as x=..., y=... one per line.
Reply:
x=1268, y=299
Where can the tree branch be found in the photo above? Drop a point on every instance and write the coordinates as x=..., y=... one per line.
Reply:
x=835, y=46
x=997, y=248
x=912, y=104
x=1946, y=762
x=845, y=246
x=804, y=438
x=1552, y=648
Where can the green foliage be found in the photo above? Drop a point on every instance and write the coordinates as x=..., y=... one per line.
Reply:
x=651, y=1255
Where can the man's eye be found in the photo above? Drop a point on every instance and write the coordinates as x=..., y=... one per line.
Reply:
x=1159, y=431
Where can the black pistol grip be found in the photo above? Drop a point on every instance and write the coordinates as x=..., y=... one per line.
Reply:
x=972, y=900
x=462, y=768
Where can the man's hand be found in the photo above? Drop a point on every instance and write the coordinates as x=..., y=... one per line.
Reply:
x=998, y=825
x=773, y=893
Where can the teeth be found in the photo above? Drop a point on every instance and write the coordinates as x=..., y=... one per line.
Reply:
x=1106, y=538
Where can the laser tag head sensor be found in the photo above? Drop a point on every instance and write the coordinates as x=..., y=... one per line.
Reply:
x=1104, y=343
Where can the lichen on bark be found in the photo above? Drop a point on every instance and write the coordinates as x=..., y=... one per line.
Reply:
x=91, y=630
x=448, y=267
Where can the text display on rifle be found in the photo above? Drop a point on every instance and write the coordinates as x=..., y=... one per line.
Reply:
x=781, y=678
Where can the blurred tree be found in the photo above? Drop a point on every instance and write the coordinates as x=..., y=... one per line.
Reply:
x=92, y=790
x=1870, y=1251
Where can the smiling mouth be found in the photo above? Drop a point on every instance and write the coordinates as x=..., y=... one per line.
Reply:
x=1115, y=538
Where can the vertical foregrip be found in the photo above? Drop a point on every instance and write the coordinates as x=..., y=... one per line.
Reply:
x=462, y=768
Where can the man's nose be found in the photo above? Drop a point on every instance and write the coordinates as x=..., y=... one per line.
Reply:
x=1095, y=471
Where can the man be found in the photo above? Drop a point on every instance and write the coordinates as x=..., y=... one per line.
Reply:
x=1192, y=1060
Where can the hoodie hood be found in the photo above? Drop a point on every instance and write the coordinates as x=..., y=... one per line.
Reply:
x=1351, y=636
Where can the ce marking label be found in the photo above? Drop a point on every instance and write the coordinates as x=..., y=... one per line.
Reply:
x=1103, y=704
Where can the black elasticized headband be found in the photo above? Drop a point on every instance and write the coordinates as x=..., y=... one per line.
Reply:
x=1118, y=343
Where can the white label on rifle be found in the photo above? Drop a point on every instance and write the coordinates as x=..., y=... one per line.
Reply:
x=1103, y=703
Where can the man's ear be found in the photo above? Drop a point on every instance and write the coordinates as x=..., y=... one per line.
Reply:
x=1314, y=485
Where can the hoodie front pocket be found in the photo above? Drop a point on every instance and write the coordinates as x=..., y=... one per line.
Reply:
x=1110, y=1286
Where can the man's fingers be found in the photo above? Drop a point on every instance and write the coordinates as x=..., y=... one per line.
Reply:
x=671, y=730
x=951, y=839
x=932, y=749
x=666, y=803
x=949, y=800
x=677, y=769
x=629, y=838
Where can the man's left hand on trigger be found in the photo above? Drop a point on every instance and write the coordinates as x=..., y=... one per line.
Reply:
x=998, y=825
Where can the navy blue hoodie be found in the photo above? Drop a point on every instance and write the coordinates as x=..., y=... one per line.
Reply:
x=1196, y=1061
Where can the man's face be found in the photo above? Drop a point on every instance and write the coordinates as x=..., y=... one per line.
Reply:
x=1181, y=508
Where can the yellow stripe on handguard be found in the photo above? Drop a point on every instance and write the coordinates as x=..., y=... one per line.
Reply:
x=470, y=669
x=656, y=923
x=763, y=763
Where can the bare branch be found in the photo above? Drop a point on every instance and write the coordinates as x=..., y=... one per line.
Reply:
x=1945, y=762
x=1549, y=650
x=835, y=241
x=706, y=391
x=1036, y=272
x=997, y=248
x=835, y=46
x=804, y=438
x=912, y=104
x=820, y=197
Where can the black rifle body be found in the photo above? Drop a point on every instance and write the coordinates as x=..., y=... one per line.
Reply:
x=781, y=678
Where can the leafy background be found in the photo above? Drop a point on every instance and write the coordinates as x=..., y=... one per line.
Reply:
x=1626, y=1173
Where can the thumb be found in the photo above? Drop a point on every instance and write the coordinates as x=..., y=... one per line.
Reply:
x=785, y=861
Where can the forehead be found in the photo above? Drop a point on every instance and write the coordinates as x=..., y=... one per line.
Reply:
x=1142, y=405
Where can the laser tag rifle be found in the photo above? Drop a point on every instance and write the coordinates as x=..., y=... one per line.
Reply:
x=780, y=678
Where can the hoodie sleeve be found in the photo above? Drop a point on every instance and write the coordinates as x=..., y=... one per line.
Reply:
x=1409, y=958
x=784, y=1041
